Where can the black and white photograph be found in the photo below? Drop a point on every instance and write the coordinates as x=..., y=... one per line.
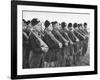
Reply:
x=53, y=39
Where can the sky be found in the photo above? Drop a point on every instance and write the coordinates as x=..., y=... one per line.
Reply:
x=60, y=17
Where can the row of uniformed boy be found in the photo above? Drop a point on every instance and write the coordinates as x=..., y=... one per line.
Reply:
x=58, y=45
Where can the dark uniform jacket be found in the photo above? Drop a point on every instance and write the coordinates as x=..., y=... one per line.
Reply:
x=72, y=47
x=71, y=36
x=60, y=52
x=25, y=49
x=86, y=31
x=52, y=43
x=48, y=40
x=78, y=35
x=36, y=53
x=25, y=39
x=64, y=34
x=58, y=36
x=35, y=44
x=81, y=32
x=67, y=49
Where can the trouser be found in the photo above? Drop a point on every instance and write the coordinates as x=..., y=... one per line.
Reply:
x=71, y=53
x=50, y=58
x=85, y=46
x=77, y=51
x=66, y=56
x=75, y=45
x=25, y=56
x=60, y=57
x=54, y=58
x=35, y=59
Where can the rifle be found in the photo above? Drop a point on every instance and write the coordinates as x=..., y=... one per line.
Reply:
x=42, y=43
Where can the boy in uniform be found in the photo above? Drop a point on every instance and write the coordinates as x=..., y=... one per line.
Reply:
x=37, y=46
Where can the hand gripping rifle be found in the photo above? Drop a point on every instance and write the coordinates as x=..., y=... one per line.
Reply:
x=42, y=43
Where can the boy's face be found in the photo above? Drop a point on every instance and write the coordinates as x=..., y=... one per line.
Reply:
x=24, y=26
x=57, y=26
x=70, y=28
x=80, y=27
x=76, y=28
x=85, y=26
x=66, y=27
x=38, y=27
x=50, y=28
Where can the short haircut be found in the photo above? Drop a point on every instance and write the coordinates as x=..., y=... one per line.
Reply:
x=75, y=25
x=34, y=21
x=85, y=24
x=79, y=25
x=63, y=24
x=46, y=23
x=69, y=25
x=53, y=23
x=28, y=22
x=24, y=20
